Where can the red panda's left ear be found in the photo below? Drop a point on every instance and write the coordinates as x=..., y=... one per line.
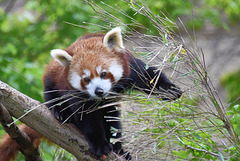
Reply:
x=113, y=39
x=61, y=56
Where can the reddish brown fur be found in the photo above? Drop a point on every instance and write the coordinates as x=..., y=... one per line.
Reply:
x=58, y=73
x=92, y=51
x=88, y=49
x=9, y=148
x=73, y=46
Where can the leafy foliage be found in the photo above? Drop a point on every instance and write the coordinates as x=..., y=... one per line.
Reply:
x=165, y=122
x=26, y=38
x=231, y=83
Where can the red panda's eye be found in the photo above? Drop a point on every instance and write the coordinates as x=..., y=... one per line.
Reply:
x=86, y=79
x=103, y=75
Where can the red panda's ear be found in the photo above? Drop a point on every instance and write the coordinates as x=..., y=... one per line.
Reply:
x=61, y=56
x=113, y=39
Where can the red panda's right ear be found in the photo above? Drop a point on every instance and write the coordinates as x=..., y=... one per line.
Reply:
x=61, y=56
x=113, y=39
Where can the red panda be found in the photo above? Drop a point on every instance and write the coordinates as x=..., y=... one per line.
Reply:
x=82, y=84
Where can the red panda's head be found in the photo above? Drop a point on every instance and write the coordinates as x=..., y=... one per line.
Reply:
x=95, y=64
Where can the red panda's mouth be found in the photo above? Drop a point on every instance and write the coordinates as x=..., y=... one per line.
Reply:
x=99, y=97
x=99, y=88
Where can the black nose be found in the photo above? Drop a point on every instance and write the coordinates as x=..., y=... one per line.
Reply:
x=99, y=91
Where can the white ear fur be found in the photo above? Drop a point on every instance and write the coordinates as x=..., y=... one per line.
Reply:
x=113, y=39
x=61, y=56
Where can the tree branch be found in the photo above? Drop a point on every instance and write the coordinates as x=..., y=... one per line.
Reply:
x=38, y=117
x=30, y=152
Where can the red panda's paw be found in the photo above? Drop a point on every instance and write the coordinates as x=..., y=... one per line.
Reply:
x=117, y=148
x=171, y=92
x=101, y=149
x=61, y=116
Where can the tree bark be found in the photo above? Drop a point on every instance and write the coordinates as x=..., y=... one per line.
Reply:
x=36, y=115
x=28, y=149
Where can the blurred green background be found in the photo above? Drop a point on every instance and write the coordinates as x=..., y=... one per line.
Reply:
x=29, y=30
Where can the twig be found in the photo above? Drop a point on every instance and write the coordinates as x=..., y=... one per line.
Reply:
x=202, y=150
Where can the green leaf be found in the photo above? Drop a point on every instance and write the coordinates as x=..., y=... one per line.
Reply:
x=236, y=108
x=182, y=154
x=237, y=129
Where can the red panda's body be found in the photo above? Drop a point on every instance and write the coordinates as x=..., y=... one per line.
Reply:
x=82, y=84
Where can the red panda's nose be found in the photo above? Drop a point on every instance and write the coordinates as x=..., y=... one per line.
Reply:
x=99, y=91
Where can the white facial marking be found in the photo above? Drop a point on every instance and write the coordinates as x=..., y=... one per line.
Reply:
x=87, y=72
x=116, y=70
x=104, y=84
x=99, y=69
x=74, y=80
